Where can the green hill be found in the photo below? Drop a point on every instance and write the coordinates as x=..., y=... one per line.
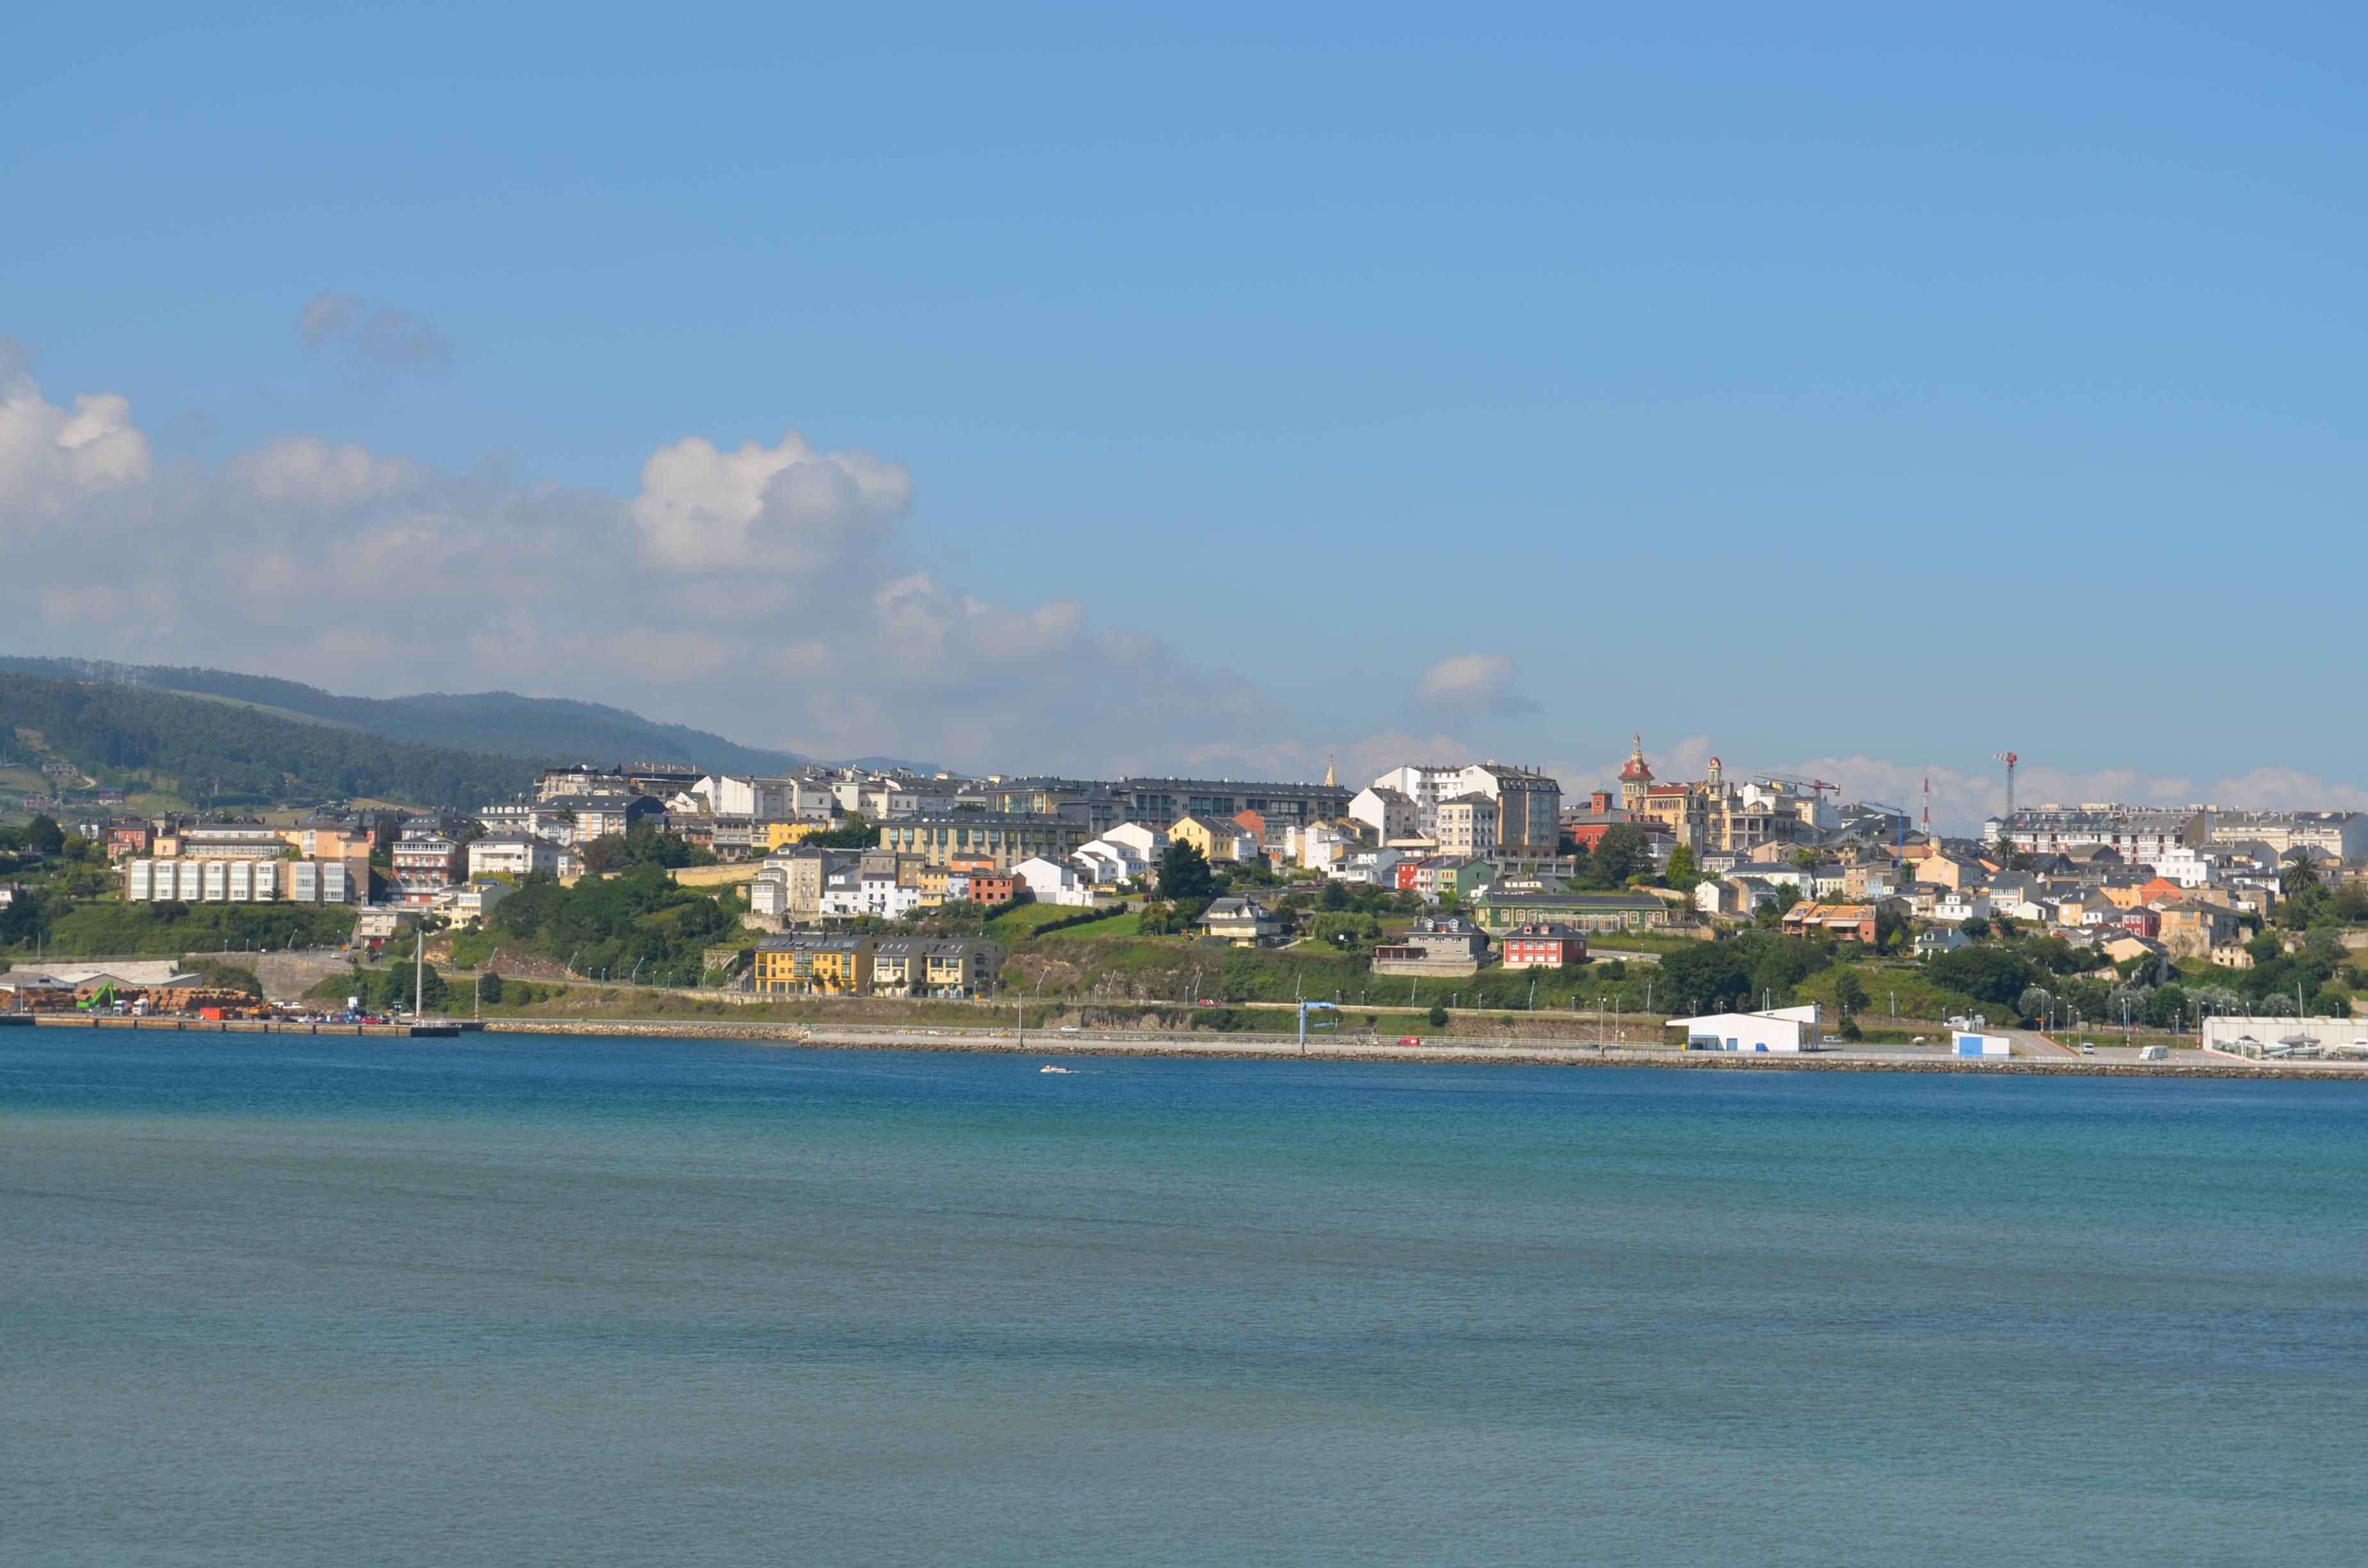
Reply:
x=212, y=752
x=499, y=723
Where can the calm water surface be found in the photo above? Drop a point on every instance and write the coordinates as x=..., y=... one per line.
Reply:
x=586, y=1301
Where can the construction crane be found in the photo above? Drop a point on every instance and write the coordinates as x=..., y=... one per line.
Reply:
x=1798, y=782
x=1899, y=815
x=2010, y=759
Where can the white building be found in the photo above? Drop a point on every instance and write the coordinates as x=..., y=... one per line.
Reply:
x=1052, y=882
x=471, y=901
x=877, y=800
x=2191, y=867
x=1147, y=844
x=1375, y=868
x=1390, y=812
x=1466, y=824
x=1106, y=864
x=241, y=882
x=1957, y=907
x=1784, y=1029
x=787, y=798
x=2343, y=835
x=533, y=818
x=522, y=855
x=2140, y=834
x=1319, y=845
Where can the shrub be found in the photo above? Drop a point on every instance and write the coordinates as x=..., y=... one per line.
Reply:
x=216, y=975
x=1437, y=1017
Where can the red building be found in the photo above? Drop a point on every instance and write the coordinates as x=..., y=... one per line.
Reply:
x=2143, y=922
x=129, y=839
x=1550, y=946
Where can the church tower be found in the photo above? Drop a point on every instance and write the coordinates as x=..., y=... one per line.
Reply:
x=1634, y=780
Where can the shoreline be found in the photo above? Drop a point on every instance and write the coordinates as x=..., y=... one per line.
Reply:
x=1204, y=1046
x=1256, y=1048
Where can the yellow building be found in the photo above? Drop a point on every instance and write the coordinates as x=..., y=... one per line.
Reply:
x=814, y=964
x=774, y=835
x=1218, y=841
x=1004, y=841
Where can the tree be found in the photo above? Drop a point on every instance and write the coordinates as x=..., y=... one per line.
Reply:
x=1849, y=992
x=489, y=987
x=1683, y=876
x=643, y=843
x=2298, y=873
x=1619, y=855
x=1184, y=872
x=1987, y=975
x=44, y=836
x=1437, y=1017
x=1976, y=928
x=2165, y=1005
x=853, y=833
x=1708, y=976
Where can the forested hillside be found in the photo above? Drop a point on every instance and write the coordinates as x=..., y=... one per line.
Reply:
x=500, y=722
x=216, y=753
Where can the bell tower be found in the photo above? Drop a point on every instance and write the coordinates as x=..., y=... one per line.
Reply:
x=1634, y=780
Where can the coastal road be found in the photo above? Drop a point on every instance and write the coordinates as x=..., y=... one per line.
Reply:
x=2030, y=1042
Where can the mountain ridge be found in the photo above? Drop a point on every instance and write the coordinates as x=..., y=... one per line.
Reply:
x=497, y=723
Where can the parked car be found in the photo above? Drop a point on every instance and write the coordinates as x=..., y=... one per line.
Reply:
x=1409, y=1039
x=1831, y=1040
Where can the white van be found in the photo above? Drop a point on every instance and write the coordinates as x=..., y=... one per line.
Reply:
x=2155, y=1053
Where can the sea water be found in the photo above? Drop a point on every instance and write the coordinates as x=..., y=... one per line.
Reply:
x=505, y=1300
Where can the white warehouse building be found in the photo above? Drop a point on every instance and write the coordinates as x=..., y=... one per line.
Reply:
x=1784, y=1030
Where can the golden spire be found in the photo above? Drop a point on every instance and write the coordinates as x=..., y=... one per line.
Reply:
x=1330, y=781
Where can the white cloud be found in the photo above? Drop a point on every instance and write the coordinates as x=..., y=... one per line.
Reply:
x=299, y=470
x=379, y=337
x=765, y=592
x=52, y=457
x=787, y=510
x=1479, y=682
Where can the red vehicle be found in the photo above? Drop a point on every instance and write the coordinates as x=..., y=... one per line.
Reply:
x=1409, y=1039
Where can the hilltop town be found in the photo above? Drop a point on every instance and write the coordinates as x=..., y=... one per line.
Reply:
x=1431, y=887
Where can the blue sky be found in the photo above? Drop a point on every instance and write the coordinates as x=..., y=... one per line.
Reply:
x=1825, y=382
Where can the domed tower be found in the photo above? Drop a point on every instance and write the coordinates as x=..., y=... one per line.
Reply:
x=1715, y=777
x=1634, y=780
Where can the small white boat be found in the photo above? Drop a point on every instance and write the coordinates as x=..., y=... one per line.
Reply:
x=1047, y=1067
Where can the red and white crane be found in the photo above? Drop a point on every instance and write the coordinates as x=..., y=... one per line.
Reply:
x=2010, y=759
